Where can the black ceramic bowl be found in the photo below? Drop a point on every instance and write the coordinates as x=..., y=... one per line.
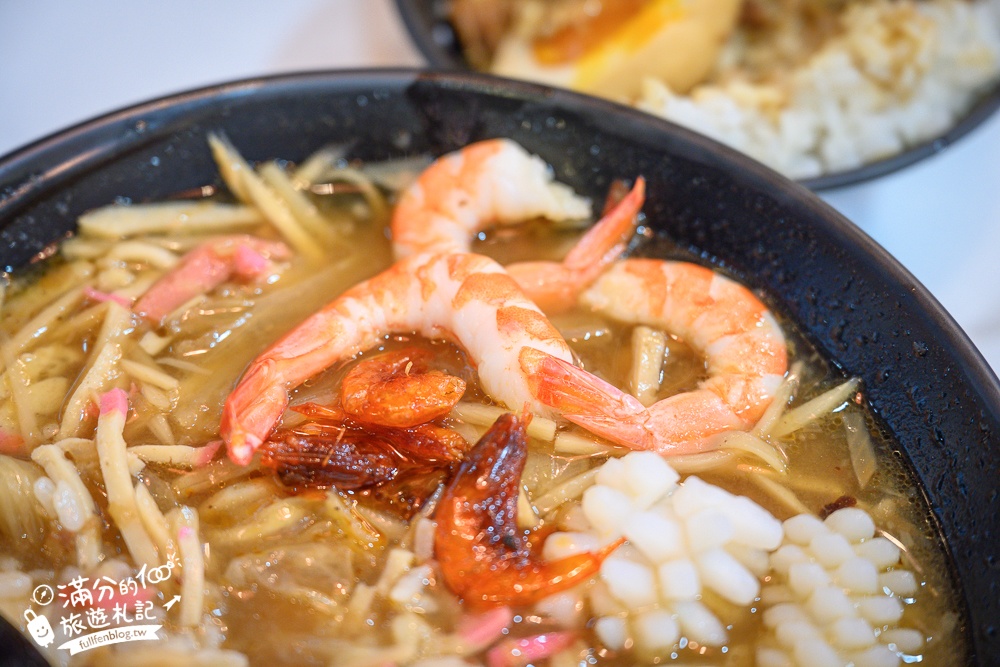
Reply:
x=429, y=27
x=926, y=383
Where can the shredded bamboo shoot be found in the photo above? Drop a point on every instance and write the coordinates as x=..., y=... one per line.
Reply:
x=687, y=464
x=231, y=502
x=152, y=518
x=778, y=405
x=160, y=428
x=100, y=375
x=144, y=253
x=17, y=386
x=859, y=444
x=156, y=397
x=348, y=520
x=117, y=480
x=214, y=474
x=751, y=444
x=146, y=373
x=184, y=366
x=575, y=444
x=81, y=450
x=376, y=202
x=301, y=207
x=526, y=516
x=568, y=490
x=46, y=396
x=359, y=606
x=22, y=519
x=397, y=564
x=180, y=456
x=78, y=247
x=51, y=287
x=121, y=221
x=139, y=286
x=284, y=516
x=114, y=278
x=317, y=164
x=84, y=321
x=486, y=415
x=648, y=347
x=101, y=370
x=192, y=567
x=822, y=405
x=246, y=185
x=782, y=494
x=61, y=470
x=41, y=323
x=152, y=344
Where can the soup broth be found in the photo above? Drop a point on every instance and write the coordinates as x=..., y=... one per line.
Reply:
x=265, y=564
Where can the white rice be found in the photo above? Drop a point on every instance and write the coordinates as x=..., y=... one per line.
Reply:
x=900, y=72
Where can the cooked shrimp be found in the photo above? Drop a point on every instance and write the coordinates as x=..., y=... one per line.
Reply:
x=743, y=347
x=484, y=184
x=467, y=299
x=484, y=557
x=497, y=182
x=206, y=267
x=334, y=450
x=397, y=389
x=427, y=442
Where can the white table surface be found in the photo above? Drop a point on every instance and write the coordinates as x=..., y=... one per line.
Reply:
x=63, y=61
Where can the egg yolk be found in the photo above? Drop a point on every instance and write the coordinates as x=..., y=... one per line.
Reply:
x=574, y=40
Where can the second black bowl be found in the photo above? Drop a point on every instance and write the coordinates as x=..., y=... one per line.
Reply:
x=428, y=25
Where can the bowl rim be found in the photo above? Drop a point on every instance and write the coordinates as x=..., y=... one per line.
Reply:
x=46, y=163
x=440, y=57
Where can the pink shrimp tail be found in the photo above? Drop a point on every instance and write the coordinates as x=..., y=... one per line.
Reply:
x=587, y=400
x=252, y=411
x=681, y=424
x=687, y=423
x=606, y=240
x=554, y=286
